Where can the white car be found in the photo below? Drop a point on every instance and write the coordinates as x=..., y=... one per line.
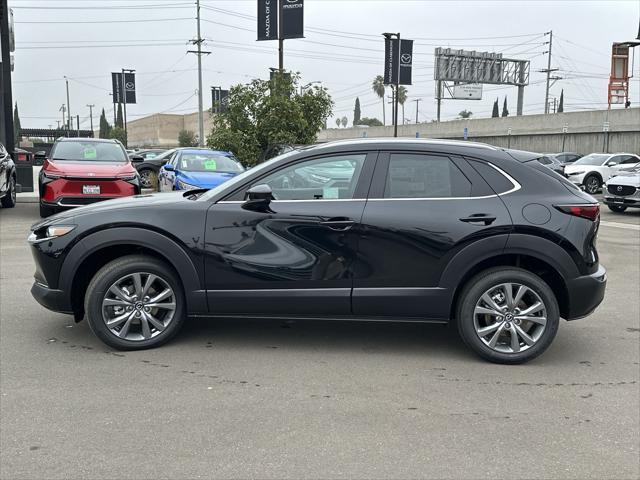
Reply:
x=593, y=170
x=623, y=190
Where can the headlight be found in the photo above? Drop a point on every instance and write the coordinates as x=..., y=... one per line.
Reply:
x=577, y=173
x=49, y=233
x=185, y=186
x=128, y=176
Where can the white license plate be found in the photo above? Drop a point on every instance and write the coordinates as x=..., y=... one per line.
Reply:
x=91, y=189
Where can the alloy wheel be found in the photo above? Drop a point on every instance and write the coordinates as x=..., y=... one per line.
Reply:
x=12, y=190
x=510, y=318
x=145, y=178
x=138, y=306
x=592, y=185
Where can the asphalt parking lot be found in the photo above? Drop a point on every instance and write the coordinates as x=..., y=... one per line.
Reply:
x=243, y=399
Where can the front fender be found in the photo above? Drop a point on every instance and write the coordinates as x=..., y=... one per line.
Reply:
x=162, y=245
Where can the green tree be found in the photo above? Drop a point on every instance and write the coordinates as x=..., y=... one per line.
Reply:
x=371, y=122
x=496, y=110
x=105, y=128
x=16, y=125
x=118, y=134
x=402, y=98
x=379, y=88
x=560, y=105
x=357, y=112
x=465, y=114
x=344, y=121
x=505, y=110
x=119, y=117
x=265, y=113
x=186, y=138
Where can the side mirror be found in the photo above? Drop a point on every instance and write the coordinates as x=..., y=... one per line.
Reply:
x=39, y=157
x=259, y=199
x=137, y=159
x=612, y=163
x=169, y=167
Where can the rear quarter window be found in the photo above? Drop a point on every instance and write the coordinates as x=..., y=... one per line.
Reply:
x=498, y=182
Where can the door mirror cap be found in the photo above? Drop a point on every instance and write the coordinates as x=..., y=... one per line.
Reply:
x=259, y=198
x=137, y=159
x=612, y=163
x=169, y=168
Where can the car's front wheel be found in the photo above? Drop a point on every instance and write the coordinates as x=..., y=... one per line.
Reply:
x=507, y=315
x=616, y=208
x=147, y=178
x=135, y=302
x=592, y=184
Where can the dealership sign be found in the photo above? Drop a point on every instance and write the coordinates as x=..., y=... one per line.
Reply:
x=129, y=90
x=398, y=61
x=280, y=19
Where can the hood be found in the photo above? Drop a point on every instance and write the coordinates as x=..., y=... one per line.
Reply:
x=578, y=168
x=84, y=169
x=630, y=178
x=205, y=179
x=154, y=200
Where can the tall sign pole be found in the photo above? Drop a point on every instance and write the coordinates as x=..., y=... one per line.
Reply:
x=398, y=64
x=280, y=20
x=91, y=115
x=199, y=52
x=69, y=124
x=7, y=134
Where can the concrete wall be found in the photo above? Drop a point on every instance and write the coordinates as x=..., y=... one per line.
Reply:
x=162, y=129
x=538, y=133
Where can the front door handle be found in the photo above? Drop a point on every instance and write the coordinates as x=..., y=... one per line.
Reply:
x=479, y=218
x=339, y=224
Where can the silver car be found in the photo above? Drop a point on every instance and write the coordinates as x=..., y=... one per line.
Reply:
x=622, y=190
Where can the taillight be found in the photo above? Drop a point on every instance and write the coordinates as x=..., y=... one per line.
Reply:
x=590, y=212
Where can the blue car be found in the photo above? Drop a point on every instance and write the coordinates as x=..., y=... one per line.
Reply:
x=192, y=168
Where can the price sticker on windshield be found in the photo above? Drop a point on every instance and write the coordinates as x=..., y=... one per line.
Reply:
x=90, y=153
x=210, y=165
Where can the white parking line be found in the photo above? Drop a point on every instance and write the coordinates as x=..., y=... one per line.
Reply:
x=627, y=226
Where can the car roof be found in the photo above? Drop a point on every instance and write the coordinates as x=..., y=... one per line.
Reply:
x=198, y=149
x=391, y=142
x=87, y=139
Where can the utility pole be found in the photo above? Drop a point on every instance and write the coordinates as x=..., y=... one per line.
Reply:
x=199, y=52
x=417, y=100
x=91, y=115
x=69, y=125
x=548, y=71
x=438, y=98
x=78, y=125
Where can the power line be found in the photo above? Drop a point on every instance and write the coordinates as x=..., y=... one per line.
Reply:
x=105, y=7
x=146, y=20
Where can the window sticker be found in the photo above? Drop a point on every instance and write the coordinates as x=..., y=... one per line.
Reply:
x=330, y=192
x=89, y=153
x=210, y=165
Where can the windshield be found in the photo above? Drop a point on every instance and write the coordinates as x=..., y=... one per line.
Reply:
x=230, y=184
x=89, y=151
x=593, y=159
x=208, y=162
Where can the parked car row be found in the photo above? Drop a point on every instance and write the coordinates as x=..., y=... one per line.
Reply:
x=592, y=171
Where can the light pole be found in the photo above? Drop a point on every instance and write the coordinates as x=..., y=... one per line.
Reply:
x=396, y=82
x=91, y=114
x=68, y=106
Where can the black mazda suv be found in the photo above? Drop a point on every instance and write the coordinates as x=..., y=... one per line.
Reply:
x=484, y=238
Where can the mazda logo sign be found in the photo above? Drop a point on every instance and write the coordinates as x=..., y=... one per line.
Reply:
x=405, y=58
x=619, y=189
x=130, y=85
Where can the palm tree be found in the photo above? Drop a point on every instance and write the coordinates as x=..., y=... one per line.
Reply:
x=402, y=98
x=345, y=120
x=379, y=89
x=338, y=122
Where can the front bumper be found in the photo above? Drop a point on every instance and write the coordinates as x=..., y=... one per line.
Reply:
x=622, y=201
x=586, y=293
x=51, y=299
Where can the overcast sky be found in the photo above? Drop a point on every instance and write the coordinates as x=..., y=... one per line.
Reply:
x=85, y=40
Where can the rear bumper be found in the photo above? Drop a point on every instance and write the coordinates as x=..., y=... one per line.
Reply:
x=586, y=293
x=55, y=300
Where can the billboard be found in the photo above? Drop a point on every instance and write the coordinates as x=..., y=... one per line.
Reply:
x=398, y=61
x=129, y=91
x=267, y=19
x=292, y=18
x=467, y=91
x=466, y=66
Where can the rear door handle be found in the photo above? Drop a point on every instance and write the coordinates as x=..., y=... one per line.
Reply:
x=339, y=224
x=479, y=218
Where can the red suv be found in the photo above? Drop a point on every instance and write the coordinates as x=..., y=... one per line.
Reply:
x=80, y=171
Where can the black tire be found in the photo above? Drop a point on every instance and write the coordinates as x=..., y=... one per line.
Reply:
x=46, y=211
x=592, y=183
x=111, y=273
x=484, y=281
x=147, y=177
x=9, y=200
x=616, y=208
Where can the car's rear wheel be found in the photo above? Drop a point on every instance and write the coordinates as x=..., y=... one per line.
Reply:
x=507, y=315
x=46, y=211
x=592, y=184
x=9, y=200
x=147, y=178
x=135, y=302
x=616, y=208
